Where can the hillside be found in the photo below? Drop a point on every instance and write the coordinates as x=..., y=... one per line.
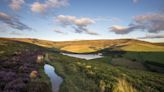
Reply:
x=20, y=70
x=161, y=43
x=87, y=46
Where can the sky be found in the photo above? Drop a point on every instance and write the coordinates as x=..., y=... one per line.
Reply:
x=63, y=20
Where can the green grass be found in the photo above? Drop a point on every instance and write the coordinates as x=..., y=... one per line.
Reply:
x=9, y=47
x=97, y=75
x=128, y=63
x=154, y=57
x=74, y=80
x=44, y=76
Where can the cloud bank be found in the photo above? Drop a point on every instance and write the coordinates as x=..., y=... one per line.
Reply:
x=152, y=23
x=78, y=24
x=13, y=22
x=42, y=7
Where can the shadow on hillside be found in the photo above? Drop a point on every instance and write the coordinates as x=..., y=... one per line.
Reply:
x=153, y=61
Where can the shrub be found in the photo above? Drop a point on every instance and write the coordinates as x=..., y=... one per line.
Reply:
x=88, y=66
x=33, y=74
x=123, y=86
x=102, y=86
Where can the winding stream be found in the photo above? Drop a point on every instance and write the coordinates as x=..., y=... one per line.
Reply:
x=55, y=79
x=84, y=56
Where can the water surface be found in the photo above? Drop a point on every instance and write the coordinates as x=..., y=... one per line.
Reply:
x=84, y=56
x=55, y=79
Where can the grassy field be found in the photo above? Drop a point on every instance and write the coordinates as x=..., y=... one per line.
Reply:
x=100, y=76
x=149, y=57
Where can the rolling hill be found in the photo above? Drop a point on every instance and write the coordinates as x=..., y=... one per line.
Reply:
x=88, y=46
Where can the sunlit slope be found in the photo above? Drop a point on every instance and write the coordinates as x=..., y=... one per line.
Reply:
x=122, y=44
x=86, y=46
x=140, y=46
x=43, y=43
x=78, y=48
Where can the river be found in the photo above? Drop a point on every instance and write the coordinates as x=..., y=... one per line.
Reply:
x=55, y=79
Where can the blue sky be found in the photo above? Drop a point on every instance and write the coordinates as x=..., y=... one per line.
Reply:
x=60, y=20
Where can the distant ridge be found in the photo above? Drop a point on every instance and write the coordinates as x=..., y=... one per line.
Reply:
x=85, y=46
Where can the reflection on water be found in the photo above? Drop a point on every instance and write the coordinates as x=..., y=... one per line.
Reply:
x=84, y=56
x=55, y=79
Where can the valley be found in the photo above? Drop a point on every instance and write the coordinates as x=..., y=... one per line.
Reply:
x=118, y=68
x=81, y=45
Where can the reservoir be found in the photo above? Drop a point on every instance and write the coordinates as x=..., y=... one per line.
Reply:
x=84, y=56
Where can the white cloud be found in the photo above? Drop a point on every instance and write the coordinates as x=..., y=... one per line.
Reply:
x=38, y=7
x=69, y=20
x=42, y=7
x=16, y=4
x=83, y=21
x=78, y=24
x=119, y=29
x=65, y=20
